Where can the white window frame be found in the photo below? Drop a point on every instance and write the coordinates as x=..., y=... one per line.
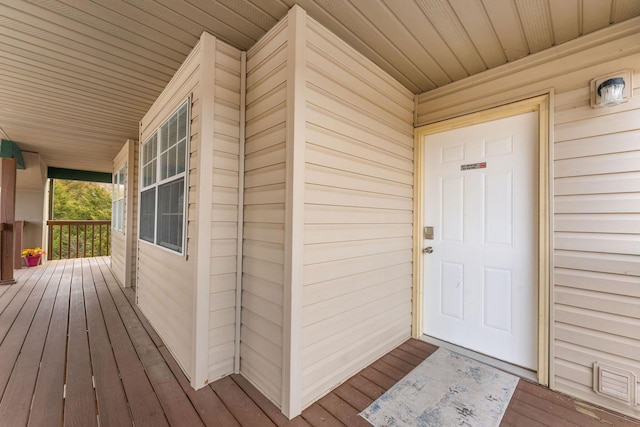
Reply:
x=160, y=182
x=118, y=199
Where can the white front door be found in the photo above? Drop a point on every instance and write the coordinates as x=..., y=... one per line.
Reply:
x=481, y=278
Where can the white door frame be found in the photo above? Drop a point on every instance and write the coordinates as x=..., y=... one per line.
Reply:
x=541, y=105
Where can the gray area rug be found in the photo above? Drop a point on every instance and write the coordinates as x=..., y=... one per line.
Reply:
x=447, y=389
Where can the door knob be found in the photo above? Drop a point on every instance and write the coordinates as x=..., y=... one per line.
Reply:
x=428, y=250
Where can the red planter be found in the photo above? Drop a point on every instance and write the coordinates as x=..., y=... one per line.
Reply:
x=32, y=261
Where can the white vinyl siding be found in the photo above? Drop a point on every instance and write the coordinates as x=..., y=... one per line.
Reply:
x=358, y=213
x=263, y=253
x=596, y=200
x=224, y=216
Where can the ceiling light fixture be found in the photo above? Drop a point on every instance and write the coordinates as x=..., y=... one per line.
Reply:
x=610, y=92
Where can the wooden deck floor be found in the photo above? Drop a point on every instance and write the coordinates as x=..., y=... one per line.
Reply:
x=75, y=351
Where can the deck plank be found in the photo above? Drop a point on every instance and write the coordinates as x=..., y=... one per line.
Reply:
x=365, y=386
x=418, y=350
x=557, y=411
x=113, y=408
x=353, y=396
x=512, y=418
x=16, y=400
x=80, y=401
x=15, y=307
x=390, y=371
x=143, y=402
x=540, y=416
x=210, y=408
x=175, y=404
x=409, y=358
x=239, y=404
x=130, y=294
x=10, y=291
x=83, y=298
x=265, y=404
x=48, y=397
x=317, y=416
x=397, y=363
x=561, y=403
x=342, y=411
x=16, y=325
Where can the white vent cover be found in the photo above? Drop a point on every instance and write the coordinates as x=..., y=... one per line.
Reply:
x=616, y=383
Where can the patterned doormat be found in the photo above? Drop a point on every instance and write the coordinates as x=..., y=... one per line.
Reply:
x=447, y=389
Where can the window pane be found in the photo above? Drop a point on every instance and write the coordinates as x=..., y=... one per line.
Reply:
x=117, y=215
x=153, y=148
x=148, y=161
x=171, y=162
x=148, y=174
x=164, y=137
x=182, y=157
x=173, y=129
x=147, y=214
x=182, y=122
x=170, y=214
x=164, y=166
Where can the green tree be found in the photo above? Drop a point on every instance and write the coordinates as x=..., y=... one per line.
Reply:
x=85, y=201
x=81, y=200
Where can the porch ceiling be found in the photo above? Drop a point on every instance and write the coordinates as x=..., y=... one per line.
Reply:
x=76, y=76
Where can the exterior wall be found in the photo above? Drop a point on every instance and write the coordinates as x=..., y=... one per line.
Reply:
x=124, y=244
x=358, y=204
x=596, y=174
x=29, y=207
x=190, y=298
x=224, y=216
x=131, y=212
x=166, y=280
x=327, y=213
x=31, y=200
x=118, y=253
x=264, y=206
x=118, y=238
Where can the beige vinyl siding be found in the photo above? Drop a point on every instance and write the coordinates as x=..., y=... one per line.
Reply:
x=118, y=247
x=597, y=240
x=133, y=171
x=264, y=196
x=118, y=238
x=224, y=218
x=596, y=199
x=358, y=207
x=165, y=286
x=124, y=245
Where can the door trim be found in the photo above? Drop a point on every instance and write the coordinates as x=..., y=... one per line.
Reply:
x=541, y=104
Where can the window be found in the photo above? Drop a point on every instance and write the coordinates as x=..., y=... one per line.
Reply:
x=163, y=177
x=118, y=199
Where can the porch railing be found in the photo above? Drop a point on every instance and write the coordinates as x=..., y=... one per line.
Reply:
x=78, y=239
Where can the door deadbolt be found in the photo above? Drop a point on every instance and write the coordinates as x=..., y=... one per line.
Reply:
x=428, y=233
x=428, y=250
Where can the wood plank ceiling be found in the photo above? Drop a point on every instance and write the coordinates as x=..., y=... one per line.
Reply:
x=76, y=76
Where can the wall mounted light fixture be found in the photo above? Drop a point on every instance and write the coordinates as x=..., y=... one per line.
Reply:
x=612, y=89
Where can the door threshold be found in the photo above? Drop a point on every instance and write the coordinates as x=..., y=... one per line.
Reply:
x=499, y=364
